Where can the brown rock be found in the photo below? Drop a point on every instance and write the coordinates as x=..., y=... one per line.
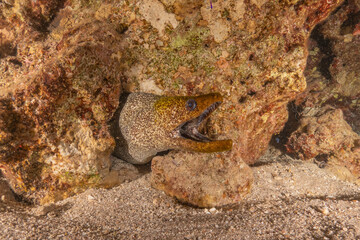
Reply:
x=61, y=77
x=53, y=115
x=324, y=133
x=321, y=131
x=6, y=195
x=332, y=74
x=333, y=69
x=203, y=180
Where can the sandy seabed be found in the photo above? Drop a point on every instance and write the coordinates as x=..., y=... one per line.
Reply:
x=290, y=199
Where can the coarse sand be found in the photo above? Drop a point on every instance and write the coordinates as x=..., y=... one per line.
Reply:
x=290, y=199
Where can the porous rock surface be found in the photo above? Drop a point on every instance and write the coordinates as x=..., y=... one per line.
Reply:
x=324, y=134
x=329, y=109
x=63, y=61
x=291, y=199
x=332, y=71
x=6, y=195
x=58, y=90
x=204, y=180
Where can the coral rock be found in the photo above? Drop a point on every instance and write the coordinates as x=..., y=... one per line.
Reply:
x=6, y=195
x=62, y=74
x=202, y=180
x=324, y=134
x=332, y=74
x=54, y=109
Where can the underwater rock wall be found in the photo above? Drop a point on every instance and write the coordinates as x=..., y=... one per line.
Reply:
x=329, y=109
x=59, y=88
x=64, y=65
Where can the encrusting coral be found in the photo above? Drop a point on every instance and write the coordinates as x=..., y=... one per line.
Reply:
x=65, y=64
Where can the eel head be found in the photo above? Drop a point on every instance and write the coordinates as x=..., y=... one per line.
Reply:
x=181, y=118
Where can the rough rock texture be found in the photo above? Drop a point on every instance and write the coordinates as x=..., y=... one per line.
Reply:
x=257, y=66
x=204, y=180
x=325, y=135
x=62, y=65
x=253, y=54
x=58, y=91
x=329, y=109
x=6, y=195
x=321, y=131
x=291, y=199
x=333, y=69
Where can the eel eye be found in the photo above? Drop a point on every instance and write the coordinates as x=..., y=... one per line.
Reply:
x=191, y=104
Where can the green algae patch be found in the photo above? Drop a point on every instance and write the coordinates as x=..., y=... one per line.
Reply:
x=193, y=39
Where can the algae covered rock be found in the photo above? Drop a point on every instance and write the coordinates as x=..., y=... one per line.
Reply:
x=253, y=53
x=323, y=134
x=329, y=124
x=333, y=69
x=55, y=104
x=65, y=63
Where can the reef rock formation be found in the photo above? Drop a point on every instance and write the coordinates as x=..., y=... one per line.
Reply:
x=58, y=90
x=65, y=63
x=258, y=61
x=203, y=180
x=323, y=134
x=330, y=122
x=333, y=69
x=6, y=195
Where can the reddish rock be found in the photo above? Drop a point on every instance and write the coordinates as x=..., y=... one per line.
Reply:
x=324, y=134
x=333, y=67
x=54, y=109
x=332, y=73
x=6, y=195
x=321, y=131
x=62, y=74
x=203, y=180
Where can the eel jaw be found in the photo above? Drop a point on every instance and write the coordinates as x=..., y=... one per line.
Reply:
x=190, y=129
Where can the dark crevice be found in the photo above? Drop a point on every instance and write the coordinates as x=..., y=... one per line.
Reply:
x=279, y=140
x=349, y=24
x=325, y=47
x=15, y=62
x=251, y=57
x=341, y=6
x=242, y=99
x=7, y=49
x=39, y=22
x=251, y=93
x=266, y=83
x=260, y=164
x=23, y=200
x=298, y=4
x=321, y=160
x=122, y=28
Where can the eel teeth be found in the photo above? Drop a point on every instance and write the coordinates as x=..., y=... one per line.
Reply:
x=190, y=129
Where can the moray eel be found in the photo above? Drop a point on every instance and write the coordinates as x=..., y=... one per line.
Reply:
x=149, y=124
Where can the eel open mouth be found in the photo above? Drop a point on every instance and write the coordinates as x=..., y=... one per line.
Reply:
x=190, y=129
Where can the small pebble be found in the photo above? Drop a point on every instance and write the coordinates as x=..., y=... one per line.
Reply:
x=212, y=210
x=325, y=211
x=159, y=43
x=90, y=198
